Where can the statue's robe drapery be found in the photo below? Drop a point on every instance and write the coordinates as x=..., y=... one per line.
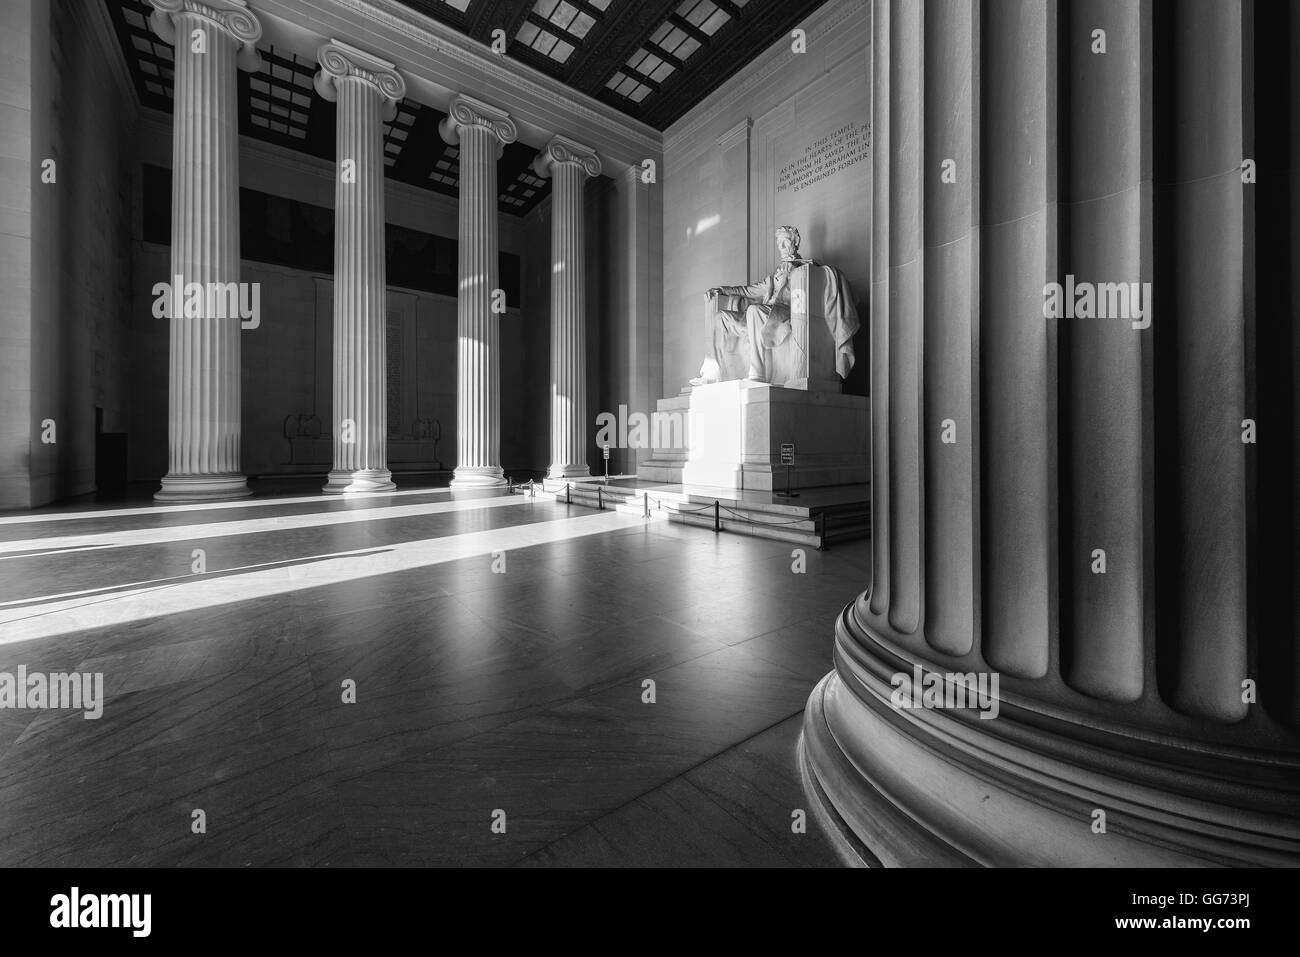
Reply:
x=841, y=316
x=751, y=320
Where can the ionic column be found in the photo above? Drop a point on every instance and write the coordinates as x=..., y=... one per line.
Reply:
x=1107, y=547
x=481, y=131
x=367, y=91
x=569, y=164
x=209, y=39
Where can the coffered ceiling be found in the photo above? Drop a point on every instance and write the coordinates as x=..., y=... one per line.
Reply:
x=650, y=59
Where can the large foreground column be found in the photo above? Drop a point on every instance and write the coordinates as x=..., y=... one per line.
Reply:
x=481, y=131
x=367, y=91
x=569, y=164
x=209, y=40
x=1078, y=645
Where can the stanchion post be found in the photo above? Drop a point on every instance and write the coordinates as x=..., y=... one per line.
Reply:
x=568, y=494
x=647, y=505
x=600, y=501
x=717, y=516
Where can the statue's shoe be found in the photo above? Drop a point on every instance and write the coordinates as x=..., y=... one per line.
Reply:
x=701, y=380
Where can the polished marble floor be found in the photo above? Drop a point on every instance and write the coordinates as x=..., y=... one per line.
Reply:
x=498, y=645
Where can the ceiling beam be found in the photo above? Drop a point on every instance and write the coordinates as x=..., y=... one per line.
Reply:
x=594, y=12
x=620, y=36
x=489, y=15
x=690, y=29
x=555, y=29
x=641, y=78
x=664, y=55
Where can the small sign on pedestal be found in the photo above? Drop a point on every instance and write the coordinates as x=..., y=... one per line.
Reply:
x=787, y=459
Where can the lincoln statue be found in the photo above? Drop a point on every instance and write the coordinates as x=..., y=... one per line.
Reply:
x=748, y=323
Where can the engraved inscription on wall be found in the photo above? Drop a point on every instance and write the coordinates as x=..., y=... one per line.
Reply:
x=825, y=157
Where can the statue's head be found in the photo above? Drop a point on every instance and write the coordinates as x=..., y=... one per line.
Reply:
x=787, y=242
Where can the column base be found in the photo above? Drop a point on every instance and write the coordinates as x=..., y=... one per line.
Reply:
x=1021, y=787
x=490, y=476
x=343, y=481
x=202, y=488
x=576, y=470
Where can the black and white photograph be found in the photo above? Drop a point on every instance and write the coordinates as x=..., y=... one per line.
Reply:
x=675, y=434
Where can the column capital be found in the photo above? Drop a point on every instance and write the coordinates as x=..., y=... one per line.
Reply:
x=465, y=111
x=561, y=149
x=231, y=16
x=339, y=60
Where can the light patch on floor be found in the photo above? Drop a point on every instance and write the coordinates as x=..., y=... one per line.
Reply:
x=59, y=614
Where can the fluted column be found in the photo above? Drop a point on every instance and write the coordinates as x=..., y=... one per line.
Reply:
x=1091, y=661
x=210, y=39
x=481, y=131
x=950, y=377
x=568, y=164
x=367, y=90
x=900, y=147
x=1207, y=294
x=1016, y=190
x=1106, y=237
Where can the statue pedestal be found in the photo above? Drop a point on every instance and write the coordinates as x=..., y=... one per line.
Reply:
x=733, y=432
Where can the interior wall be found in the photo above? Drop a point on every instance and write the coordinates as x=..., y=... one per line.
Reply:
x=65, y=319
x=798, y=123
x=18, y=40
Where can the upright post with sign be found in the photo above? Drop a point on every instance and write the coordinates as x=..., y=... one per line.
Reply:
x=607, y=463
x=787, y=459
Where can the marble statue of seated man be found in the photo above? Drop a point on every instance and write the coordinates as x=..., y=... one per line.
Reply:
x=751, y=320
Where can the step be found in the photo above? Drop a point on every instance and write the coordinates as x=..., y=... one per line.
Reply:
x=772, y=521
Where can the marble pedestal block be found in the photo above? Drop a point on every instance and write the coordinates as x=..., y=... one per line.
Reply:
x=734, y=432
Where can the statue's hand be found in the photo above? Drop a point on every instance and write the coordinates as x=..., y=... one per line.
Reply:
x=712, y=294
